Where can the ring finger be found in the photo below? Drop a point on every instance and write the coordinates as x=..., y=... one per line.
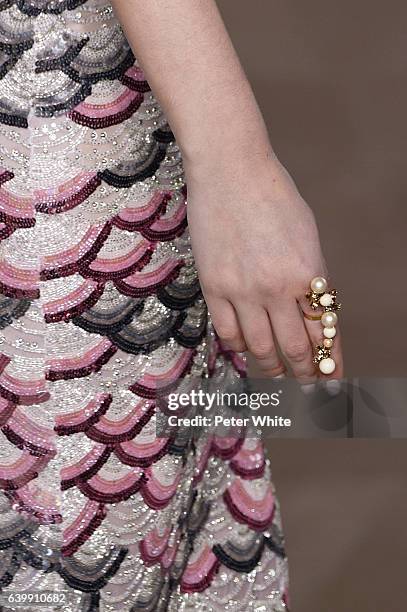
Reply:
x=293, y=339
x=258, y=334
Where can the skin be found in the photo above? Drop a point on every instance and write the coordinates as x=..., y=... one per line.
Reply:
x=254, y=239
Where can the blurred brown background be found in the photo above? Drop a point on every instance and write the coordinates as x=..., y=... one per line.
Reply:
x=331, y=78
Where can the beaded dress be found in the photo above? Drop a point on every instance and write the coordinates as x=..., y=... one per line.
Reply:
x=100, y=306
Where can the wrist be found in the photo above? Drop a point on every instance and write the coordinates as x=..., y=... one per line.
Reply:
x=229, y=160
x=225, y=138
x=256, y=170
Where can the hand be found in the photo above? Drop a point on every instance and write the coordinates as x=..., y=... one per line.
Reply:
x=256, y=248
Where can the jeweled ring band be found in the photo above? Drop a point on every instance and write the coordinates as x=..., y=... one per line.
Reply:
x=319, y=296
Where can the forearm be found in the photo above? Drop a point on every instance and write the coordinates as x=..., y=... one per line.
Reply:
x=190, y=63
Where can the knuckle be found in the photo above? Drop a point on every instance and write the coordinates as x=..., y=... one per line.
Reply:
x=219, y=286
x=238, y=346
x=281, y=285
x=227, y=333
x=269, y=366
x=297, y=351
x=261, y=283
x=210, y=289
x=261, y=351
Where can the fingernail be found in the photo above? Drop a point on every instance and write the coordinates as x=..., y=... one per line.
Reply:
x=283, y=375
x=333, y=386
x=308, y=389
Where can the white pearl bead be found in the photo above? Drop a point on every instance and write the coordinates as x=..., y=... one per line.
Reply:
x=329, y=319
x=329, y=332
x=327, y=366
x=319, y=284
x=326, y=299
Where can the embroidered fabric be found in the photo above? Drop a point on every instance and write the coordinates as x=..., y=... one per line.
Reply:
x=100, y=311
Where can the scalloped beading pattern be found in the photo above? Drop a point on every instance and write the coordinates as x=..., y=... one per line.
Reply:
x=101, y=313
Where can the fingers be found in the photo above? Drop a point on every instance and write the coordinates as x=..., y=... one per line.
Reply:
x=281, y=327
x=291, y=334
x=226, y=324
x=258, y=334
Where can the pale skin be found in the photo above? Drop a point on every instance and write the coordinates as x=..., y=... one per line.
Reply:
x=254, y=239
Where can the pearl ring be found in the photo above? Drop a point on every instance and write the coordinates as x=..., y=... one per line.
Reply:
x=320, y=296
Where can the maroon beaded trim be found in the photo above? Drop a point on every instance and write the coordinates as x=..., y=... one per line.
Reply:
x=203, y=584
x=146, y=291
x=24, y=400
x=66, y=430
x=154, y=235
x=23, y=479
x=14, y=292
x=9, y=395
x=149, y=393
x=142, y=86
x=141, y=461
x=93, y=433
x=6, y=413
x=57, y=206
x=154, y=503
x=42, y=517
x=16, y=221
x=77, y=542
x=5, y=232
x=250, y=474
x=97, y=123
x=132, y=226
x=71, y=313
x=147, y=559
x=111, y=498
x=227, y=453
x=5, y=176
x=81, y=372
x=83, y=261
x=91, y=471
x=136, y=266
x=242, y=518
x=15, y=439
x=4, y=361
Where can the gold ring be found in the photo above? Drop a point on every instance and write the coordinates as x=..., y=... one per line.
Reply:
x=320, y=297
x=312, y=317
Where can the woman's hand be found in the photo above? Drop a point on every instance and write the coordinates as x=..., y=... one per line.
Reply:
x=254, y=239
x=256, y=247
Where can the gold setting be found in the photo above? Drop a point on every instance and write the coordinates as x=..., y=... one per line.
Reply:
x=313, y=297
x=320, y=353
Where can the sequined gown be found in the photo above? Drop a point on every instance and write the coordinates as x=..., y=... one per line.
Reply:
x=100, y=306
